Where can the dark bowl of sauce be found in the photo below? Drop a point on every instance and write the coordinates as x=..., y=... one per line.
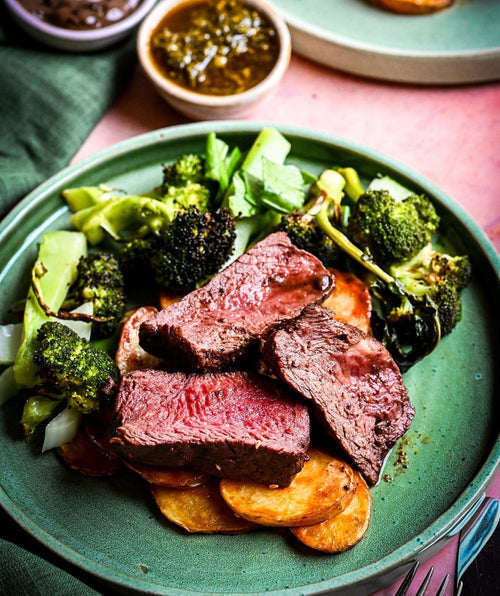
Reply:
x=81, y=14
x=79, y=25
x=214, y=59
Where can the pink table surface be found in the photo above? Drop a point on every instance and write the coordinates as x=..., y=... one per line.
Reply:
x=450, y=135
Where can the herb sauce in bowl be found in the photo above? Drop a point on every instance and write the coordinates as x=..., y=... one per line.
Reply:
x=215, y=48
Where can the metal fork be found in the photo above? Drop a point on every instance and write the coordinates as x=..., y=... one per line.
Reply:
x=404, y=587
x=476, y=531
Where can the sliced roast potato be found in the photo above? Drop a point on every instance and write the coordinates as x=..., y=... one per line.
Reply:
x=343, y=531
x=173, y=477
x=83, y=455
x=199, y=509
x=350, y=300
x=323, y=488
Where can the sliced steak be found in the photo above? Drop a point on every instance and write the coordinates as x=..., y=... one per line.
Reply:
x=223, y=321
x=355, y=387
x=235, y=424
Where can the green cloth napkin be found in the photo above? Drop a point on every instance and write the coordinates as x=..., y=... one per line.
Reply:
x=26, y=574
x=28, y=568
x=49, y=103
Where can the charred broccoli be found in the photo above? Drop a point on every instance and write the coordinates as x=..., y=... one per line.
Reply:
x=100, y=281
x=406, y=324
x=439, y=276
x=185, y=184
x=172, y=235
x=187, y=168
x=184, y=253
x=303, y=228
x=391, y=230
x=72, y=367
x=307, y=235
x=101, y=212
x=408, y=318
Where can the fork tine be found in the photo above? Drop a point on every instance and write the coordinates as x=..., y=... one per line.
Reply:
x=425, y=583
x=443, y=585
x=403, y=588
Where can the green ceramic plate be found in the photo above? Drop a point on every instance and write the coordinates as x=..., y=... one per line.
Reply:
x=111, y=529
x=458, y=45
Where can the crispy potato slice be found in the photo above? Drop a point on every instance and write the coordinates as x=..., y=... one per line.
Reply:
x=173, y=477
x=350, y=300
x=345, y=530
x=199, y=509
x=414, y=6
x=83, y=455
x=323, y=488
x=130, y=355
x=167, y=298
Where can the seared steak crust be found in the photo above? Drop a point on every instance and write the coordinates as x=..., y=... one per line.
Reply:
x=352, y=381
x=224, y=320
x=237, y=424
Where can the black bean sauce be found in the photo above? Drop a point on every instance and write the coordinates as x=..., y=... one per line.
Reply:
x=81, y=14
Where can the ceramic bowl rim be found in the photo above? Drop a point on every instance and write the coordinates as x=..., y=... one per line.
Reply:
x=80, y=35
x=180, y=94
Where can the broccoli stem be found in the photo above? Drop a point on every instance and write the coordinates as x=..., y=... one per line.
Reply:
x=347, y=246
x=116, y=214
x=59, y=252
x=330, y=186
x=353, y=187
x=86, y=196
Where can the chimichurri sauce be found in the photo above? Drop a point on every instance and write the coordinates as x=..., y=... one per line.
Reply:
x=217, y=47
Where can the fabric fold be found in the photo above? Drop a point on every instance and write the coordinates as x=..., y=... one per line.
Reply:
x=49, y=103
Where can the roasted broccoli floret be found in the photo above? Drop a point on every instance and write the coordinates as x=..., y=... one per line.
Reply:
x=184, y=253
x=72, y=366
x=100, y=281
x=122, y=216
x=391, y=230
x=430, y=267
x=185, y=184
x=303, y=228
x=307, y=235
x=439, y=276
x=407, y=324
x=190, y=194
x=187, y=168
x=419, y=303
x=449, y=304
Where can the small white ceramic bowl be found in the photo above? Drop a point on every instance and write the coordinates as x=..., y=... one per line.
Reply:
x=70, y=40
x=199, y=106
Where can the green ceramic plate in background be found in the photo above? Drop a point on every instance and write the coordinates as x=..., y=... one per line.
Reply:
x=111, y=528
x=458, y=45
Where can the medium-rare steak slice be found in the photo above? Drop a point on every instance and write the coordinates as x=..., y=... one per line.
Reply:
x=355, y=387
x=224, y=320
x=235, y=424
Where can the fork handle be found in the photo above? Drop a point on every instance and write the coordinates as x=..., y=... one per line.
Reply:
x=476, y=534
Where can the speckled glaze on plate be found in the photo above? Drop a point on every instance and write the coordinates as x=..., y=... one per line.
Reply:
x=457, y=45
x=111, y=529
